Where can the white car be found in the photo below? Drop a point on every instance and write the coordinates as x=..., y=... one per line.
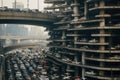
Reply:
x=93, y=41
x=90, y=73
x=18, y=74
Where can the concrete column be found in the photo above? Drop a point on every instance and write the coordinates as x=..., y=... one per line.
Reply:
x=18, y=41
x=102, y=39
x=63, y=34
x=66, y=7
x=76, y=68
x=76, y=71
x=83, y=63
x=76, y=9
x=53, y=9
x=63, y=37
x=76, y=58
x=85, y=8
x=83, y=73
x=7, y=42
x=75, y=39
x=68, y=67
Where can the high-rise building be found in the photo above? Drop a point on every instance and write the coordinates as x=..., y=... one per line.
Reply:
x=18, y=5
x=85, y=42
x=16, y=30
x=38, y=32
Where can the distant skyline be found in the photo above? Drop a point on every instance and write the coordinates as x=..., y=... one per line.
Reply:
x=32, y=3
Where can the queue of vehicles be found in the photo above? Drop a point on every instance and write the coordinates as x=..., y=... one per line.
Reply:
x=25, y=65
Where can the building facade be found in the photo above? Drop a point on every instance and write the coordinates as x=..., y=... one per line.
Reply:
x=85, y=40
x=18, y=5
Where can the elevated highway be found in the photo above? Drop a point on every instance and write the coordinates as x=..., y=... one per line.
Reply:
x=19, y=37
x=31, y=18
x=21, y=45
x=6, y=40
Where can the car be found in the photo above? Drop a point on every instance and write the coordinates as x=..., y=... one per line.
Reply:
x=9, y=71
x=83, y=40
x=75, y=62
x=34, y=65
x=66, y=77
x=54, y=68
x=34, y=10
x=31, y=69
x=19, y=78
x=11, y=77
x=57, y=55
x=117, y=25
x=15, y=65
x=112, y=48
x=116, y=57
x=22, y=66
x=79, y=26
x=5, y=8
x=27, y=64
x=84, y=47
x=93, y=41
x=16, y=68
x=42, y=77
x=39, y=67
x=43, y=71
x=117, y=46
x=90, y=73
x=18, y=75
x=27, y=77
x=26, y=10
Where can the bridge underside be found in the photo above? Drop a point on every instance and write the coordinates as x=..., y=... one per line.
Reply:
x=29, y=22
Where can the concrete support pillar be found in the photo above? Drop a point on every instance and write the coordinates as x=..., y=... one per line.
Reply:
x=76, y=68
x=76, y=58
x=83, y=73
x=83, y=58
x=66, y=7
x=53, y=9
x=76, y=71
x=18, y=41
x=7, y=42
x=75, y=39
x=83, y=63
x=63, y=37
x=76, y=9
x=85, y=8
x=68, y=67
x=102, y=39
x=102, y=3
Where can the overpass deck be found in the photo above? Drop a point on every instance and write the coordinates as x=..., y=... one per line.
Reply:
x=20, y=17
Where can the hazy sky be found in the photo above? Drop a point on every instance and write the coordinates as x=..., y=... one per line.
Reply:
x=32, y=3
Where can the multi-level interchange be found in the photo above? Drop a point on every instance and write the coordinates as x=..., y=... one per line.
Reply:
x=85, y=40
